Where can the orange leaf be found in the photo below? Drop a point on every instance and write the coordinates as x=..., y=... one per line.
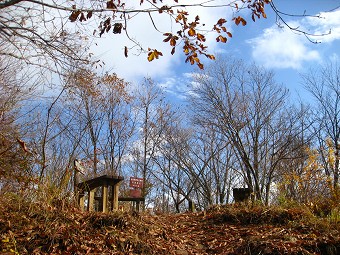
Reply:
x=220, y=22
x=217, y=29
x=201, y=37
x=168, y=38
x=191, y=32
x=151, y=56
x=212, y=57
x=173, y=41
x=154, y=54
x=74, y=15
x=221, y=38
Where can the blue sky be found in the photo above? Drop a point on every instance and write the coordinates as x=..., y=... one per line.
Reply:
x=263, y=42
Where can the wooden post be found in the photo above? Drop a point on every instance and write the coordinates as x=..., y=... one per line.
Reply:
x=81, y=201
x=91, y=200
x=191, y=206
x=105, y=196
x=138, y=206
x=115, y=190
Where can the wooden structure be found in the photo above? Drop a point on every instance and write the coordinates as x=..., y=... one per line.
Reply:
x=136, y=201
x=192, y=207
x=241, y=194
x=136, y=186
x=107, y=186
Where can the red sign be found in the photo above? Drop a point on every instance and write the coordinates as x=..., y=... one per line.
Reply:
x=135, y=193
x=136, y=182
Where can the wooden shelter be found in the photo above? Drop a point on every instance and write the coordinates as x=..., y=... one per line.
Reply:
x=102, y=191
x=241, y=194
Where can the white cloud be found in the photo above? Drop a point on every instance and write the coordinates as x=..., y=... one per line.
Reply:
x=176, y=86
x=334, y=57
x=282, y=48
x=181, y=86
x=328, y=24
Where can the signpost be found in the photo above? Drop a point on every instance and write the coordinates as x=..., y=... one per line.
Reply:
x=136, y=182
x=136, y=185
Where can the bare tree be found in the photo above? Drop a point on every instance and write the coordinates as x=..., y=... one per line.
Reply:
x=153, y=115
x=15, y=154
x=173, y=165
x=36, y=34
x=324, y=85
x=101, y=105
x=249, y=109
x=216, y=181
x=120, y=123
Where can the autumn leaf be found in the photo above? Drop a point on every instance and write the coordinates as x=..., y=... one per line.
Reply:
x=22, y=144
x=125, y=51
x=239, y=20
x=212, y=57
x=169, y=36
x=220, y=22
x=244, y=22
x=82, y=17
x=191, y=32
x=117, y=28
x=110, y=5
x=173, y=40
x=154, y=54
x=89, y=15
x=74, y=15
x=221, y=38
x=201, y=37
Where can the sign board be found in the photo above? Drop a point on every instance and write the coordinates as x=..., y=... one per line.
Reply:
x=135, y=193
x=136, y=182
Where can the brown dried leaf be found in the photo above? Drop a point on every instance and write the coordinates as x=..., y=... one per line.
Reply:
x=126, y=51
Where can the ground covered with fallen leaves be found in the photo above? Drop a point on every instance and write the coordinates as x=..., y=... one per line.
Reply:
x=231, y=229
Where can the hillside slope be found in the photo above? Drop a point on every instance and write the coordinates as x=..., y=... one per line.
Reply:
x=37, y=229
